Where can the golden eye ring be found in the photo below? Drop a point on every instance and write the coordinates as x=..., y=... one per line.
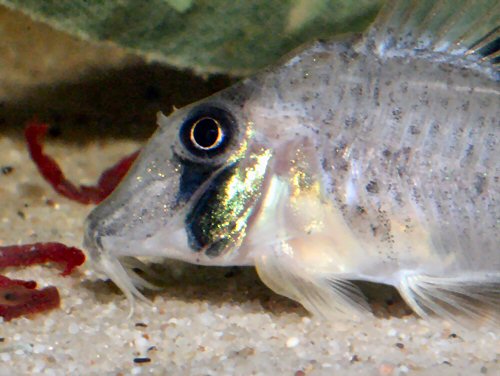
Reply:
x=206, y=133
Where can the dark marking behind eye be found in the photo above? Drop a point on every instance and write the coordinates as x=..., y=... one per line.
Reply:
x=200, y=232
x=192, y=176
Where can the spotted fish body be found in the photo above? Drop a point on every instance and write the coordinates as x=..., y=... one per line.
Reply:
x=371, y=157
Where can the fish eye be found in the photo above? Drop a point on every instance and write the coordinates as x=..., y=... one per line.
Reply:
x=207, y=131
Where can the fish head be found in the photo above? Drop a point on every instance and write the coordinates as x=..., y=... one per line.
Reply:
x=203, y=189
x=192, y=191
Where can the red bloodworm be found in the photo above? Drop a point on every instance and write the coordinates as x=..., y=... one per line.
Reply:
x=35, y=133
x=17, y=297
x=39, y=253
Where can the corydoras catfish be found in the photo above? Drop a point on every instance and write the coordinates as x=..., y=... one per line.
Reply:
x=370, y=157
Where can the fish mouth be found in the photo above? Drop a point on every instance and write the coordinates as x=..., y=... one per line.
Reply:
x=116, y=255
x=126, y=279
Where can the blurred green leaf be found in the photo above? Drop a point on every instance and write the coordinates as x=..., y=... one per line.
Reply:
x=223, y=36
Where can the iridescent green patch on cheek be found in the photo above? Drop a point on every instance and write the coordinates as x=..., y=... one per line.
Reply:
x=217, y=222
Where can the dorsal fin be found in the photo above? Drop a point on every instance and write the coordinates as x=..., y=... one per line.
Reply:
x=465, y=29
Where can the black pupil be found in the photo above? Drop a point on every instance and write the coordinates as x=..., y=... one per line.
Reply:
x=206, y=133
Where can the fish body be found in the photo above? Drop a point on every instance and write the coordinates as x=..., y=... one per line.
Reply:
x=372, y=157
x=407, y=152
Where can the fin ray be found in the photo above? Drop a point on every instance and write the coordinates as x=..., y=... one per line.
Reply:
x=465, y=300
x=325, y=296
x=146, y=280
x=464, y=29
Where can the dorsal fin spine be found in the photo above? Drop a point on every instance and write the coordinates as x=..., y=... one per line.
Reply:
x=463, y=29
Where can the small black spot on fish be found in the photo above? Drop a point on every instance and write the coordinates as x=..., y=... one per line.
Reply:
x=481, y=121
x=306, y=98
x=491, y=142
x=324, y=164
x=387, y=153
x=343, y=166
x=376, y=93
x=372, y=187
x=480, y=184
x=434, y=129
x=350, y=122
x=360, y=210
x=397, y=114
x=392, y=98
x=357, y=90
x=424, y=98
x=444, y=103
x=403, y=155
x=398, y=197
x=340, y=93
x=469, y=150
x=6, y=170
x=416, y=197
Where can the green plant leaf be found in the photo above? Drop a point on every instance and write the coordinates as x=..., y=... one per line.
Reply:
x=208, y=36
